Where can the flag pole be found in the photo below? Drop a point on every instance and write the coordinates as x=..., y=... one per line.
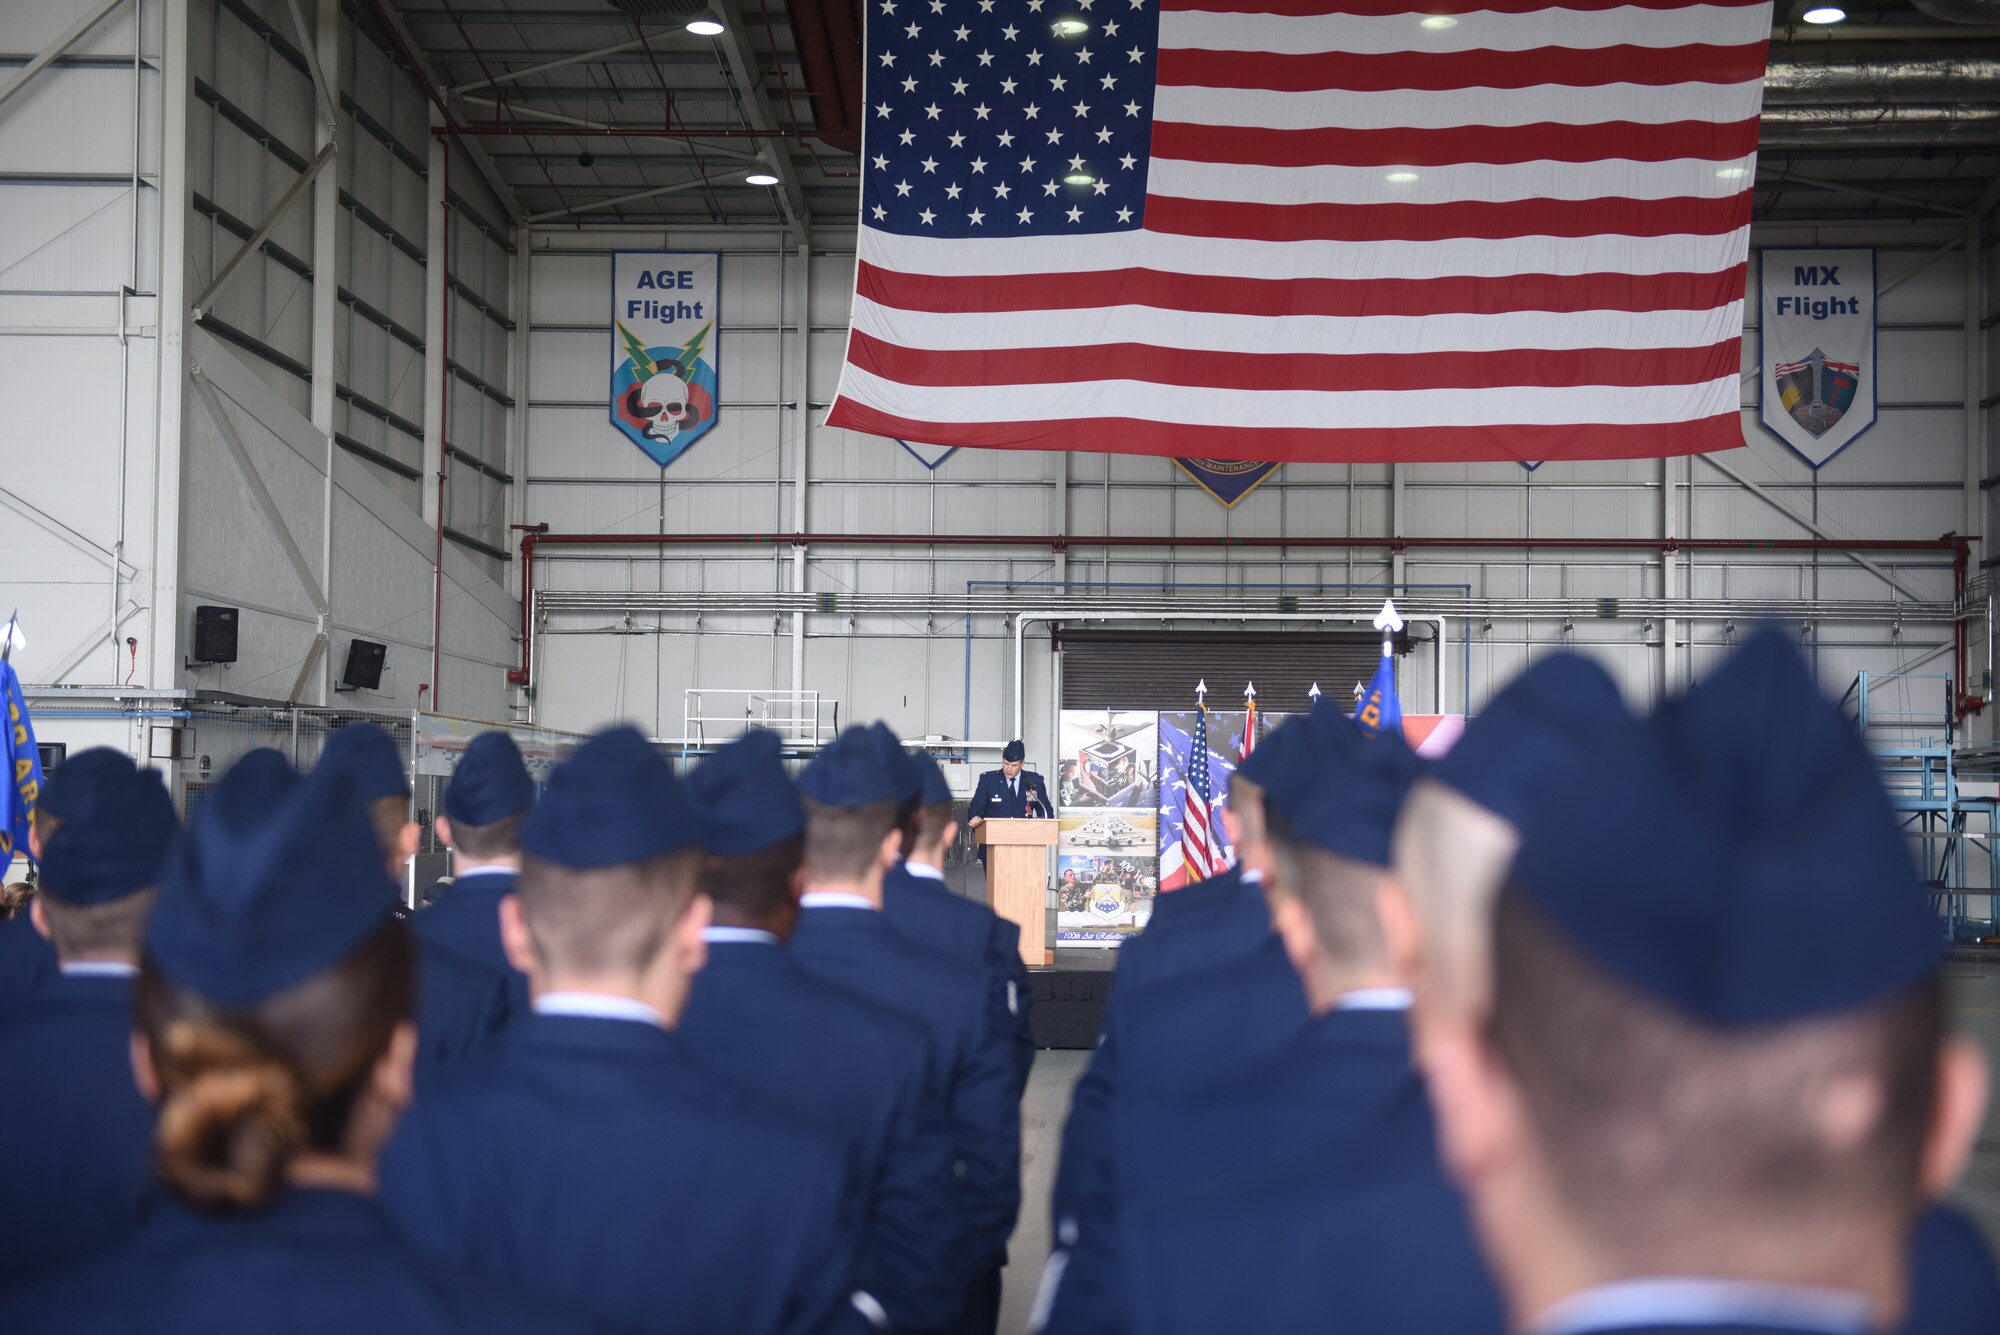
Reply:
x=7, y=640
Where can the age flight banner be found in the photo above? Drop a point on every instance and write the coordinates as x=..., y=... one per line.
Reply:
x=1816, y=348
x=664, y=359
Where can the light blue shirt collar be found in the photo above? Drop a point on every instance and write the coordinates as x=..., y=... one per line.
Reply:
x=99, y=969
x=923, y=869
x=471, y=872
x=748, y=935
x=597, y=1006
x=1706, y=1302
x=834, y=899
x=1374, y=999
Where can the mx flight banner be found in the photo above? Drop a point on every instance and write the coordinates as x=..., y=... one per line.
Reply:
x=664, y=305
x=1816, y=348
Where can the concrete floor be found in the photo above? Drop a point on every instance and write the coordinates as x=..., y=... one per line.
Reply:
x=1975, y=997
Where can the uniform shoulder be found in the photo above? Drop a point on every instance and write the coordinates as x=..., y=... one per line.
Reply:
x=873, y=1026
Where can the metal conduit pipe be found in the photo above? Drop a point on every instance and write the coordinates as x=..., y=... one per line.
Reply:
x=1859, y=126
x=1858, y=84
x=538, y=535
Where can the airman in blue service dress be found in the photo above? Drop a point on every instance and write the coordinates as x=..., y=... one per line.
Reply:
x=274, y=889
x=81, y=1136
x=1002, y=796
x=27, y=960
x=587, y=1153
x=918, y=903
x=489, y=785
x=461, y=1002
x=844, y=938
x=849, y=1064
x=1754, y=796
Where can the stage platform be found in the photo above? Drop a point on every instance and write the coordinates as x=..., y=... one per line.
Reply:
x=1070, y=997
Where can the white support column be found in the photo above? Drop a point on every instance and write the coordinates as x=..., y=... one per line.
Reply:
x=1396, y=516
x=521, y=304
x=1975, y=390
x=325, y=303
x=801, y=457
x=436, y=220
x=176, y=90
x=1669, y=580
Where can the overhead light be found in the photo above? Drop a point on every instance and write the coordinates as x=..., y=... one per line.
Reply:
x=1070, y=27
x=1825, y=14
x=760, y=178
x=1079, y=178
x=584, y=159
x=704, y=27
x=1402, y=176
x=1733, y=173
x=1438, y=22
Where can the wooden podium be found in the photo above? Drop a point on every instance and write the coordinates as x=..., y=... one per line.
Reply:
x=1017, y=881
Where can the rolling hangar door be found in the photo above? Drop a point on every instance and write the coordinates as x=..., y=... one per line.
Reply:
x=1158, y=669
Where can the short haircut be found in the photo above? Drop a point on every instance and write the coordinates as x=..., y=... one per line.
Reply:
x=1246, y=801
x=1338, y=893
x=501, y=839
x=1664, y=1134
x=755, y=884
x=933, y=821
x=389, y=815
x=606, y=920
x=1452, y=855
x=86, y=931
x=842, y=843
x=44, y=825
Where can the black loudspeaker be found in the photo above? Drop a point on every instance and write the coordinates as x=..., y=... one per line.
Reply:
x=215, y=635
x=364, y=665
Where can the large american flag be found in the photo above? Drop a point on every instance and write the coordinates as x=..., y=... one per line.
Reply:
x=1199, y=853
x=1306, y=229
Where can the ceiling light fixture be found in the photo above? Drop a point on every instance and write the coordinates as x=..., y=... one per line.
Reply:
x=704, y=27
x=760, y=178
x=1824, y=14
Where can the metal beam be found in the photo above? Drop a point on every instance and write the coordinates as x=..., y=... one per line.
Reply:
x=578, y=58
x=43, y=519
x=757, y=110
x=328, y=111
x=400, y=30
x=61, y=44
x=261, y=494
x=1812, y=528
x=596, y=204
x=106, y=629
x=204, y=303
x=1843, y=188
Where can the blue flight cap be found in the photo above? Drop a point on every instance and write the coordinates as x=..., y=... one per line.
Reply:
x=116, y=845
x=613, y=802
x=1531, y=732
x=279, y=879
x=745, y=798
x=1347, y=802
x=370, y=756
x=855, y=770
x=1285, y=758
x=909, y=779
x=933, y=789
x=1015, y=751
x=490, y=783
x=1775, y=883
x=71, y=784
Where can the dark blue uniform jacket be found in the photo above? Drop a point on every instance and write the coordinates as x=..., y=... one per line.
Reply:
x=924, y=909
x=590, y=1160
x=466, y=920
x=858, y=1069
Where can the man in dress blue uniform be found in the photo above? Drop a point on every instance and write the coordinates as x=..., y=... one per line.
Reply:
x=461, y=1002
x=1715, y=1087
x=273, y=926
x=850, y=1064
x=484, y=806
x=82, y=1135
x=852, y=791
x=1008, y=793
x=587, y=1155
x=26, y=958
x=917, y=902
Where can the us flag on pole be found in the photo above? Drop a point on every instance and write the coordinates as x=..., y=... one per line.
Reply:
x=1306, y=229
x=1199, y=854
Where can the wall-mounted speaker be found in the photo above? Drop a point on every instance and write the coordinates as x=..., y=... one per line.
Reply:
x=364, y=665
x=215, y=634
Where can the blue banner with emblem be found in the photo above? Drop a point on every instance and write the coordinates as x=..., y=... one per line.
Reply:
x=665, y=385
x=24, y=767
x=1228, y=480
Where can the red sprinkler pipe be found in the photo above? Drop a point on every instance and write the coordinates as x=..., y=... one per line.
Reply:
x=534, y=535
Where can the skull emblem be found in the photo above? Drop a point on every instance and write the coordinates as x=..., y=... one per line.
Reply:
x=663, y=399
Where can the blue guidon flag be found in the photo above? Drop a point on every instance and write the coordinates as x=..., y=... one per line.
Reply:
x=1295, y=230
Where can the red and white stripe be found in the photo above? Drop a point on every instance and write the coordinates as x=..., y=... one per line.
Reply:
x=1563, y=278
x=1198, y=853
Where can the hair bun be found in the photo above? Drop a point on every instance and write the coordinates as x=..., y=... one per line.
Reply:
x=230, y=1119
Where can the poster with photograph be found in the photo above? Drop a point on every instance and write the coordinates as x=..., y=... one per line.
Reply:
x=1107, y=875
x=1110, y=758
x=1225, y=749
